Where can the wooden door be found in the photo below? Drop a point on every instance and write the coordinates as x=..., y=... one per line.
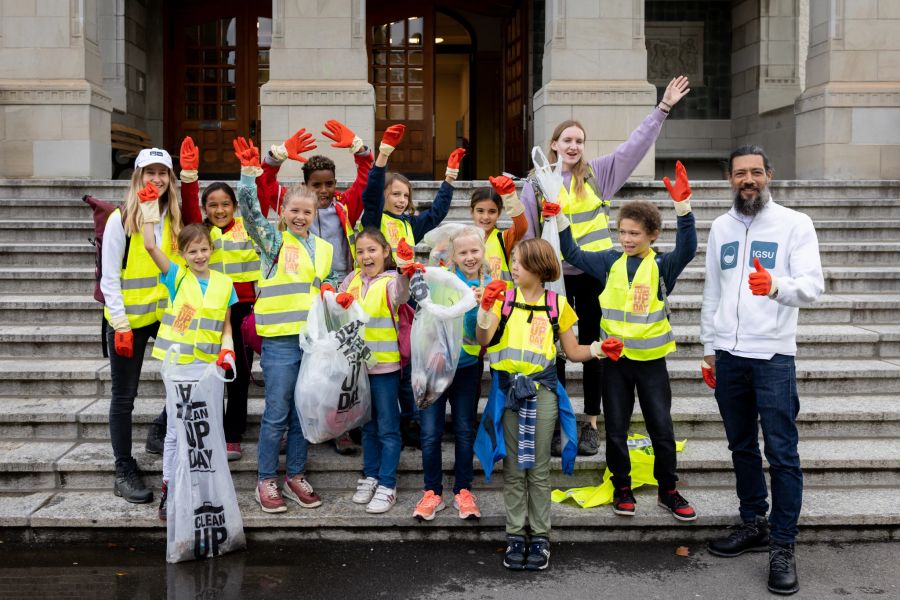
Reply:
x=217, y=57
x=401, y=69
x=514, y=93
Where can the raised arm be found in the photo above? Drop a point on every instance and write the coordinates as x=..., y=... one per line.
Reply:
x=673, y=263
x=267, y=238
x=344, y=137
x=149, y=204
x=513, y=207
x=373, y=195
x=190, y=184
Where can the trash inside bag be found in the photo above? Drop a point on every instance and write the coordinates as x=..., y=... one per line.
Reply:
x=439, y=241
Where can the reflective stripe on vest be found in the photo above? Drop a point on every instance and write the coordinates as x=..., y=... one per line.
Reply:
x=233, y=253
x=285, y=299
x=349, y=232
x=381, y=330
x=196, y=320
x=587, y=214
x=524, y=347
x=395, y=229
x=496, y=258
x=634, y=313
x=144, y=297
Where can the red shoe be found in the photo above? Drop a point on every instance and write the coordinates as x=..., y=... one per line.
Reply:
x=677, y=505
x=623, y=502
x=233, y=449
x=298, y=489
x=269, y=496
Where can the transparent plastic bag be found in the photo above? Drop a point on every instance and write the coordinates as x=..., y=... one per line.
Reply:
x=439, y=241
x=549, y=177
x=550, y=234
x=436, y=336
x=203, y=519
x=332, y=390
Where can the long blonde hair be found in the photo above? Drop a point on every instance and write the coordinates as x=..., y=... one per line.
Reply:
x=580, y=169
x=298, y=191
x=133, y=221
x=464, y=232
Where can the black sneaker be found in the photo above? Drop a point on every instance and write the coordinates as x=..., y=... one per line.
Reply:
x=623, y=502
x=556, y=444
x=746, y=537
x=677, y=505
x=782, y=569
x=538, y=554
x=162, y=511
x=128, y=483
x=156, y=438
x=514, y=558
x=588, y=441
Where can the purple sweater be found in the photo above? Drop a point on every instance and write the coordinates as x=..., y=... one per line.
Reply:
x=610, y=171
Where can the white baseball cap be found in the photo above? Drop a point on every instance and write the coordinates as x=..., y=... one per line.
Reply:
x=151, y=156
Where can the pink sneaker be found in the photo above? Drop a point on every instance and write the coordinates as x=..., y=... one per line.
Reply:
x=269, y=496
x=298, y=489
x=233, y=449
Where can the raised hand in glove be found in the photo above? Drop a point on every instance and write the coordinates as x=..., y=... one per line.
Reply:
x=453, y=163
x=492, y=292
x=405, y=253
x=189, y=159
x=680, y=192
x=761, y=281
x=248, y=155
x=391, y=138
x=550, y=209
x=148, y=197
x=506, y=189
x=124, y=342
x=342, y=136
x=295, y=146
x=709, y=372
x=344, y=299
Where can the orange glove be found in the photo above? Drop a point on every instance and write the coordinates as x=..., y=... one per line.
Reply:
x=761, y=282
x=299, y=143
x=149, y=193
x=124, y=342
x=453, y=163
x=344, y=299
x=190, y=155
x=492, y=292
x=502, y=185
x=246, y=152
x=391, y=138
x=342, y=136
x=405, y=252
x=223, y=355
x=410, y=269
x=612, y=347
x=149, y=205
x=551, y=209
x=708, y=376
x=681, y=191
x=325, y=287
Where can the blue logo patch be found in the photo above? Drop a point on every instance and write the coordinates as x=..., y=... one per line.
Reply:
x=765, y=252
x=729, y=255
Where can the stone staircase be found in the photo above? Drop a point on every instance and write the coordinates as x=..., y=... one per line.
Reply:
x=56, y=463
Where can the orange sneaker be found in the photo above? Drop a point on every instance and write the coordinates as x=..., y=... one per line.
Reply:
x=464, y=502
x=428, y=505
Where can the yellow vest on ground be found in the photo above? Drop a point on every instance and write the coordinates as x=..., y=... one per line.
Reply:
x=233, y=253
x=145, y=298
x=285, y=299
x=381, y=329
x=394, y=229
x=195, y=320
x=634, y=313
x=496, y=258
x=525, y=347
x=588, y=215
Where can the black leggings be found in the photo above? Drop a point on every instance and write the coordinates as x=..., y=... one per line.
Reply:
x=236, y=408
x=583, y=294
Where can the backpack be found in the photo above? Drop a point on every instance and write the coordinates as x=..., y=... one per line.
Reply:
x=102, y=210
x=509, y=303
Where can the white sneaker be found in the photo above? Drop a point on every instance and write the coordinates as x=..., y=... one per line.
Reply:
x=383, y=500
x=365, y=489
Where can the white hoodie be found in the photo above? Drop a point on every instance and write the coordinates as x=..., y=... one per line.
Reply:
x=732, y=318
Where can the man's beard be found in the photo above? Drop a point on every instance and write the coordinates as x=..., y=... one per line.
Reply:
x=751, y=207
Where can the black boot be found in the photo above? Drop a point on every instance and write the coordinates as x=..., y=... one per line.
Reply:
x=782, y=569
x=588, y=441
x=514, y=558
x=747, y=537
x=156, y=438
x=129, y=484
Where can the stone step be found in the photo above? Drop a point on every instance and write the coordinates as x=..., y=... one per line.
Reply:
x=50, y=340
x=27, y=465
x=57, y=254
x=694, y=417
x=828, y=515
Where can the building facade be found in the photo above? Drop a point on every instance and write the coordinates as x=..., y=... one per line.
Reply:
x=816, y=82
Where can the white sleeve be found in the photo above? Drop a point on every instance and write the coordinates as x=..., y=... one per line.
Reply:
x=806, y=282
x=712, y=293
x=110, y=281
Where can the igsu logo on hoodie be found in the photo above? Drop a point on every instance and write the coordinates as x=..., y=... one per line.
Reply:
x=765, y=252
x=728, y=257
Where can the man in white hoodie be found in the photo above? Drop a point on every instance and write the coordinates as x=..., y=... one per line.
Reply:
x=762, y=265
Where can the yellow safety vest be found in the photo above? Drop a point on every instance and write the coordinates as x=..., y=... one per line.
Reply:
x=145, y=298
x=525, y=347
x=394, y=229
x=285, y=299
x=496, y=257
x=588, y=215
x=634, y=313
x=381, y=330
x=195, y=320
x=233, y=253
x=349, y=231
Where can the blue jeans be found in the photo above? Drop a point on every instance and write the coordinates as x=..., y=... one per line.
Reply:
x=463, y=396
x=280, y=364
x=747, y=388
x=381, y=435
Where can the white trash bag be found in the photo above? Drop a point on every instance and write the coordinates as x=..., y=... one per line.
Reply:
x=203, y=518
x=332, y=391
x=550, y=233
x=436, y=335
x=549, y=177
x=438, y=239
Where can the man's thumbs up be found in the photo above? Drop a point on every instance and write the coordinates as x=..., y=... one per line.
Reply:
x=761, y=281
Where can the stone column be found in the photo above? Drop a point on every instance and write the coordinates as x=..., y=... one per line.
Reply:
x=848, y=119
x=54, y=113
x=595, y=71
x=318, y=71
x=766, y=67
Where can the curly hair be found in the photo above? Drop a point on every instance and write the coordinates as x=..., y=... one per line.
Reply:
x=317, y=163
x=647, y=215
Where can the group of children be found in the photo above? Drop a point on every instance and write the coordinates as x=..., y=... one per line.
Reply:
x=210, y=284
